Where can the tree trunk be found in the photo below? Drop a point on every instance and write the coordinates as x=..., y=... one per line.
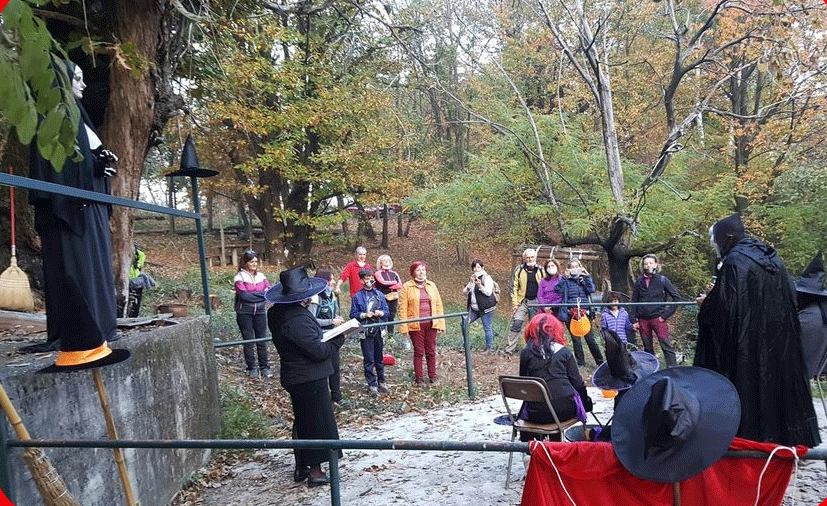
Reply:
x=385, y=226
x=619, y=269
x=129, y=119
x=171, y=203
x=399, y=232
x=340, y=201
x=210, y=199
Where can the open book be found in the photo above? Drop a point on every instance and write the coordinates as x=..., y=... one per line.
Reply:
x=346, y=328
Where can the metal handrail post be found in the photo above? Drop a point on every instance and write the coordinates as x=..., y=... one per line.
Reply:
x=199, y=229
x=335, y=490
x=466, y=341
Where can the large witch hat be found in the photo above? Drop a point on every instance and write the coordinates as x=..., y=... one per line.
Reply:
x=812, y=279
x=675, y=423
x=69, y=360
x=294, y=286
x=622, y=369
x=189, y=162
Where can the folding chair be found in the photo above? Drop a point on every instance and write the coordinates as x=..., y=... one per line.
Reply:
x=530, y=389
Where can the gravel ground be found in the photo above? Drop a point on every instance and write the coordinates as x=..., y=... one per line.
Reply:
x=415, y=478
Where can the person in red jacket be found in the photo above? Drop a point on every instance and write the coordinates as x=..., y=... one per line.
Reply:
x=351, y=272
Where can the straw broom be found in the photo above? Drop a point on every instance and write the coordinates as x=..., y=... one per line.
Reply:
x=51, y=486
x=113, y=435
x=15, y=293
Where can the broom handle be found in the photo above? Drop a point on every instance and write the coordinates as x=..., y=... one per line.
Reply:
x=11, y=414
x=113, y=435
x=11, y=212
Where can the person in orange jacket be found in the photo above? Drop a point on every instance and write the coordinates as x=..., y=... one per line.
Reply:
x=418, y=298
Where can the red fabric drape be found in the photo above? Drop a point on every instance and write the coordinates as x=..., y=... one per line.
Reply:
x=593, y=476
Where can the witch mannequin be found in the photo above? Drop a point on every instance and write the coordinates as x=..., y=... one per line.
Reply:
x=77, y=265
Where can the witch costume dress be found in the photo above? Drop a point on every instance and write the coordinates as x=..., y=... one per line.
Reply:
x=76, y=249
x=748, y=332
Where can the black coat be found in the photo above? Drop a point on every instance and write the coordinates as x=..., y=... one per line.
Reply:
x=749, y=332
x=813, y=318
x=563, y=381
x=303, y=356
x=658, y=290
x=76, y=250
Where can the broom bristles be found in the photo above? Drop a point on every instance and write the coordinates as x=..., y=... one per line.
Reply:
x=51, y=486
x=15, y=292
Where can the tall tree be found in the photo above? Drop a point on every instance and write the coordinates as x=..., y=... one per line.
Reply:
x=298, y=102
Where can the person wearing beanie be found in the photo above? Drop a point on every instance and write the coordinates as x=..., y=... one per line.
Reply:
x=748, y=331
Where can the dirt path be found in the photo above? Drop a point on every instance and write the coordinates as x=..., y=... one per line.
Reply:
x=418, y=478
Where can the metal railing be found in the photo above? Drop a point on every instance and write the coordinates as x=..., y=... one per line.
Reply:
x=472, y=390
x=332, y=445
x=35, y=184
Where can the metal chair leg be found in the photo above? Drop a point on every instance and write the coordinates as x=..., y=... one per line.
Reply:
x=510, y=459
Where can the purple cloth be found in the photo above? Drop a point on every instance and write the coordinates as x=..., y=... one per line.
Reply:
x=581, y=411
x=546, y=293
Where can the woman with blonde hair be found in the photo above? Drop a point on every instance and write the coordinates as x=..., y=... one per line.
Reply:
x=389, y=283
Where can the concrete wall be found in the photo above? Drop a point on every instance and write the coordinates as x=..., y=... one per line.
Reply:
x=167, y=389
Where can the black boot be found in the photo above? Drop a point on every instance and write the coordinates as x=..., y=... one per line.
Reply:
x=301, y=473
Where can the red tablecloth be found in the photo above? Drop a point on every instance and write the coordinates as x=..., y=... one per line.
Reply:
x=593, y=476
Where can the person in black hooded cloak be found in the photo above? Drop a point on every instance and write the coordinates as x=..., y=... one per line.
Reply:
x=749, y=332
x=812, y=314
x=76, y=247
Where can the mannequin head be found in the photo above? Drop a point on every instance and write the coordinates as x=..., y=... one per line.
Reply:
x=78, y=85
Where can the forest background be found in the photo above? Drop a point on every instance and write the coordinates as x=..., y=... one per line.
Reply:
x=628, y=127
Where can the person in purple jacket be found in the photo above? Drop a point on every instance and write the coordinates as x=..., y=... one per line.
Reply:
x=251, y=315
x=546, y=293
x=616, y=319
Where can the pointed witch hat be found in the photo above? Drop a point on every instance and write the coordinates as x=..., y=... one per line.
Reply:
x=189, y=162
x=622, y=368
x=812, y=279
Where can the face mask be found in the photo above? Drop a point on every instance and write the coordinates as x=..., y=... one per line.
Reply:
x=368, y=284
x=531, y=264
x=552, y=270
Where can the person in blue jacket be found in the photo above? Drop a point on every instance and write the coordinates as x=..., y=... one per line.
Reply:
x=577, y=285
x=369, y=306
x=616, y=319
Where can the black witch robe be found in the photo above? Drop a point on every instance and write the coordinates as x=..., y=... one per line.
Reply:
x=749, y=332
x=77, y=245
x=813, y=319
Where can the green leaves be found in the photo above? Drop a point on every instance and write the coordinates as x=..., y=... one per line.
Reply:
x=35, y=85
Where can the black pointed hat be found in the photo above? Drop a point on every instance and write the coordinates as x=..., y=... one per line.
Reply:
x=812, y=279
x=622, y=369
x=675, y=423
x=189, y=162
x=294, y=286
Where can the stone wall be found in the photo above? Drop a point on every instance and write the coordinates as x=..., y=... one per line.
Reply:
x=167, y=389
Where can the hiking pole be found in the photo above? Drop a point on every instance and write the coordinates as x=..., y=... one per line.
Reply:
x=113, y=435
x=51, y=486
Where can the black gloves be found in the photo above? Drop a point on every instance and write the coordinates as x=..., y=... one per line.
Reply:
x=103, y=162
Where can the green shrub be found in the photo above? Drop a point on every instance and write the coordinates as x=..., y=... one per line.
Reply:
x=239, y=419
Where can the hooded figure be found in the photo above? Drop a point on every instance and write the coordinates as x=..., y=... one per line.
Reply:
x=748, y=331
x=812, y=314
